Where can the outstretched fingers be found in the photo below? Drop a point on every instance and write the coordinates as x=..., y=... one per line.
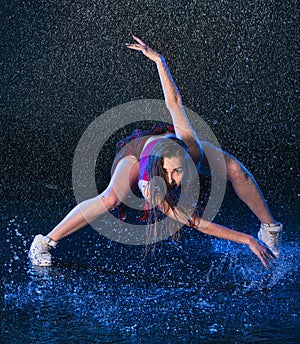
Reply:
x=143, y=44
x=134, y=46
x=264, y=254
x=137, y=46
x=266, y=260
x=145, y=49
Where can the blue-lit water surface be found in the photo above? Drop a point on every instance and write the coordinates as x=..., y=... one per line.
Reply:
x=192, y=291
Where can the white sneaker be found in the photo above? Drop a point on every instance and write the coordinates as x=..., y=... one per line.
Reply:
x=39, y=250
x=270, y=235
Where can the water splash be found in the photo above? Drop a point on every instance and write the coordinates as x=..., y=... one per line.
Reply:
x=196, y=288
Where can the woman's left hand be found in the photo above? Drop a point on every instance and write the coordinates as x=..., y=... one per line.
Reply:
x=262, y=251
x=145, y=49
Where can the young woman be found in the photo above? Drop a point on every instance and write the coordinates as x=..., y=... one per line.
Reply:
x=163, y=153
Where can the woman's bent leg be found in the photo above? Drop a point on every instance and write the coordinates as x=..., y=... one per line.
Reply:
x=249, y=192
x=88, y=210
x=247, y=189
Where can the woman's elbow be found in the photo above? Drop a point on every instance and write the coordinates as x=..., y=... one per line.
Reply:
x=174, y=103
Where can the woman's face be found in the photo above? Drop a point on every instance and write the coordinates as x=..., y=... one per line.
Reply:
x=173, y=167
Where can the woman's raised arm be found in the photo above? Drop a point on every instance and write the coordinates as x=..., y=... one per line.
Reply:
x=182, y=125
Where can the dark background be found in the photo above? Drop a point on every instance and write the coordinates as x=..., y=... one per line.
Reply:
x=63, y=63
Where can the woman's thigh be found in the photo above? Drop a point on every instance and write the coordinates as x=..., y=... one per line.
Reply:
x=123, y=179
x=213, y=157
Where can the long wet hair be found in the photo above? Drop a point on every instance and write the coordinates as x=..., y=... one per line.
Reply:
x=162, y=195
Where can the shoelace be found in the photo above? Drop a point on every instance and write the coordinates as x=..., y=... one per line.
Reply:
x=274, y=238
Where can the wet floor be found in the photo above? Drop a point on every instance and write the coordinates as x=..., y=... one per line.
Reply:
x=99, y=291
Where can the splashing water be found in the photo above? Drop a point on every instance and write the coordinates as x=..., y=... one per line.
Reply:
x=201, y=290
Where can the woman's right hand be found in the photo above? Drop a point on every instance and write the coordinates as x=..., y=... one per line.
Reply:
x=145, y=49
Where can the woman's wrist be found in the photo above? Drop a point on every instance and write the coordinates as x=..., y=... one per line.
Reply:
x=160, y=60
x=249, y=239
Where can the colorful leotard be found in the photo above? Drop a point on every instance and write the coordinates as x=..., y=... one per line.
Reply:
x=133, y=145
x=144, y=158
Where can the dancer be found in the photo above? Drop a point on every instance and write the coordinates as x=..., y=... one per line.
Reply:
x=164, y=152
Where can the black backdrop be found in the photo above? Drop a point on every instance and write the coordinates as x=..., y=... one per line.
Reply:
x=63, y=63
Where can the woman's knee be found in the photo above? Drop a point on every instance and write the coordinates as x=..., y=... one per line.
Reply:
x=109, y=199
x=236, y=172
